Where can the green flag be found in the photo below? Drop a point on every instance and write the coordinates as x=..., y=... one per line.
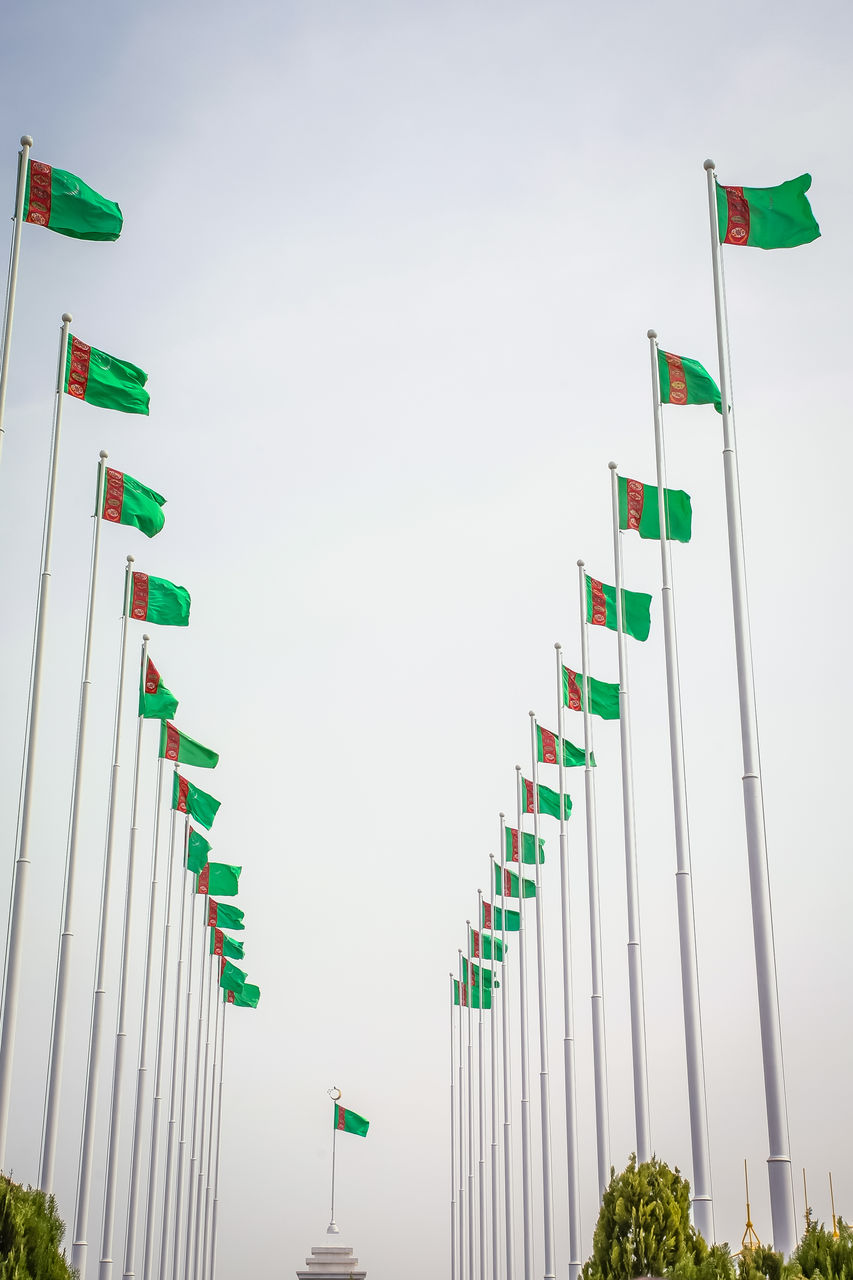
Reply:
x=224, y=915
x=349, y=1122
x=222, y=945
x=192, y=800
x=547, y=746
x=601, y=608
x=104, y=380
x=485, y=945
x=685, y=381
x=62, y=202
x=638, y=510
x=230, y=977
x=128, y=501
x=158, y=600
x=156, y=702
x=549, y=801
x=506, y=883
x=178, y=746
x=603, y=697
x=219, y=878
x=479, y=974
x=197, y=850
x=246, y=998
x=499, y=920
x=511, y=846
x=767, y=217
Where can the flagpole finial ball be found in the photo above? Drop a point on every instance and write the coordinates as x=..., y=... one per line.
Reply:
x=652, y=333
x=709, y=164
x=581, y=563
x=612, y=466
x=67, y=317
x=130, y=559
x=557, y=645
x=103, y=454
x=501, y=815
x=146, y=638
x=26, y=140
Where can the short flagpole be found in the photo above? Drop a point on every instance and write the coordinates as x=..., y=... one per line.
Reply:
x=453, y=1251
x=215, y=1217
x=12, y=283
x=114, y=1130
x=96, y=1026
x=779, y=1160
x=461, y=1102
x=526, y=1172
x=493, y=1066
x=142, y=1066
x=573, y=1175
x=472, y=1238
x=14, y=945
x=481, y=1086
x=53, y=1086
x=509, y=1240
x=703, y=1204
x=199, y=1192
x=599, y=1042
x=154, y=1147
x=182, y=1128
x=544, y=1076
x=635, y=953
x=209, y=1173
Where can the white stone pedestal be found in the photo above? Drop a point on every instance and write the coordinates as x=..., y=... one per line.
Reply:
x=331, y=1262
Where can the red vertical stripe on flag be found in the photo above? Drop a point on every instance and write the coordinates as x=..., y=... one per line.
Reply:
x=38, y=209
x=152, y=678
x=139, y=597
x=475, y=942
x=78, y=373
x=218, y=937
x=573, y=701
x=599, y=604
x=342, y=1117
x=513, y=848
x=737, y=226
x=173, y=741
x=203, y=879
x=183, y=792
x=230, y=997
x=636, y=497
x=677, y=379
x=222, y=966
x=507, y=883
x=528, y=795
x=549, y=746
x=487, y=915
x=113, y=495
x=212, y=905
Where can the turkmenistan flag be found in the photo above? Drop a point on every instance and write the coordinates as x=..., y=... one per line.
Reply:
x=178, y=746
x=128, y=501
x=499, y=919
x=549, y=801
x=224, y=915
x=547, y=746
x=638, y=510
x=460, y=993
x=246, y=998
x=603, y=697
x=486, y=947
x=477, y=973
x=156, y=702
x=104, y=380
x=222, y=945
x=192, y=800
x=230, y=977
x=601, y=608
x=158, y=600
x=220, y=878
x=350, y=1122
x=528, y=854
x=685, y=381
x=767, y=217
x=197, y=850
x=62, y=202
x=506, y=883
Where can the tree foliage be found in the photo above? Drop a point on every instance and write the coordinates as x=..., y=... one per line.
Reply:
x=823, y=1257
x=31, y=1234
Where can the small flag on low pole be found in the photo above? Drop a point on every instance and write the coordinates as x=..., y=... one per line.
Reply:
x=343, y=1121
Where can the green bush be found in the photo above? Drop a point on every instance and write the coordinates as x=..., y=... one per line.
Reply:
x=31, y=1233
x=821, y=1256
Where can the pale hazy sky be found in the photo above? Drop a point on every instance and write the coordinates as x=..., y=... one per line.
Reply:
x=390, y=267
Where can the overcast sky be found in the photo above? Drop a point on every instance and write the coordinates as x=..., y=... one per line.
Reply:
x=390, y=267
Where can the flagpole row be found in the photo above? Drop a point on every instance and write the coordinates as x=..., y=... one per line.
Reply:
x=199, y=1191
x=12, y=283
x=53, y=1087
x=703, y=1205
x=215, y=1219
x=481, y=1084
x=526, y=1172
x=174, y=1271
x=599, y=1040
x=635, y=954
x=87, y=1140
x=472, y=1238
x=779, y=1160
x=170, y=1193
x=14, y=946
x=493, y=1067
x=209, y=1178
x=462, y=1253
x=183, y=1272
x=453, y=1243
x=509, y=1241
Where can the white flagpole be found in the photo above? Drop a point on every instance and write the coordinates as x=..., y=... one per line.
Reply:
x=12, y=283
x=105, y=1269
x=509, y=1241
x=87, y=1137
x=599, y=1042
x=782, y=1210
x=526, y=1172
x=461, y=1099
x=215, y=1218
x=472, y=1239
x=481, y=1085
x=703, y=1204
x=14, y=945
x=154, y=1146
x=573, y=1175
x=453, y=1250
x=183, y=1272
x=182, y=1129
x=53, y=1086
x=635, y=952
x=142, y=1066
x=493, y=1064
x=209, y=1175
x=203, y=1129
x=544, y=1077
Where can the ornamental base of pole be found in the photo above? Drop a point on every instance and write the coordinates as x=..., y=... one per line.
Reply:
x=334, y=1262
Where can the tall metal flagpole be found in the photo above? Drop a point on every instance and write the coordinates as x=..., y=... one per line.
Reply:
x=472, y=1241
x=142, y=1065
x=53, y=1086
x=544, y=1078
x=509, y=1240
x=197, y=1088
x=182, y=1128
x=493, y=1065
x=215, y=1216
x=12, y=283
x=105, y=1269
x=199, y=1192
x=14, y=945
x=635, y=953
x=96, y=1025
x=171, y=1193
x=481, y=1085
x=526, y=1172
x=599, y=1043
x=453, y=1250
x=209, y=1175
x=703, y=1204
x=573, y=1175
x=463, y=997
x=782, y=1211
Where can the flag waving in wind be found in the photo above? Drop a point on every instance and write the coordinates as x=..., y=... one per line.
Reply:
x=104, y=380
x=350, y=1122
x=767, y=217
x=62, y=202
